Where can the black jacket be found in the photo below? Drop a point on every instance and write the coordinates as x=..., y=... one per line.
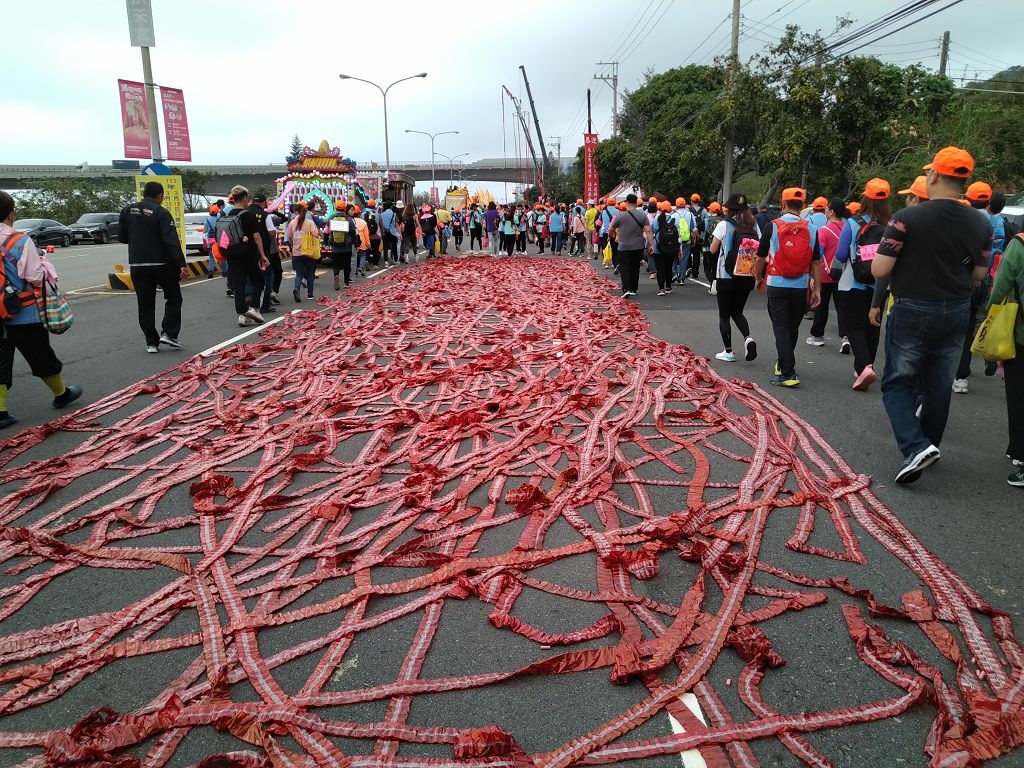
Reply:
x=149, y=231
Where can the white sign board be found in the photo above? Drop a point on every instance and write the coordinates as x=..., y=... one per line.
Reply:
x=140, y=23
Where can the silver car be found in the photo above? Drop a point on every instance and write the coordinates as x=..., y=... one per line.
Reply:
x=194, y=240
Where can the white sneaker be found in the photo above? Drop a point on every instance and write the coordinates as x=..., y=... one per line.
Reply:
x=244, y=321
x=254, y=313
x=816, y=341
x=845, y=347
x=726, y=357
x=912, y=467
x=713, y=290
x=960, y=386
x=152, y=349
x=750, y=349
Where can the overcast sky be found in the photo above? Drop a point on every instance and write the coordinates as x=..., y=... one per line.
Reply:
x=255, y=73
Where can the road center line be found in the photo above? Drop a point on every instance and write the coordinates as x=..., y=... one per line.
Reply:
x=692, y=758
x=241, y=336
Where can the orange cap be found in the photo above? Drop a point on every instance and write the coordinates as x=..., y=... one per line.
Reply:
x=714, y=207
x=665, y=206
x=214, y=210
x=877, y=189
x=819, y=204
x=622, y=206
x=610, y=200
x=979, y=192
x=356, y=210
x=458, y=210
x=680, y=202
x=853, y=208
x=918, y=188
x=694, y=198
x=793, y=193
x=371, y=203
x=952, y=161
x=652, y=199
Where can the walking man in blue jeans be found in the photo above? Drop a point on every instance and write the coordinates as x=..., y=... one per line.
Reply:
x=933, y=254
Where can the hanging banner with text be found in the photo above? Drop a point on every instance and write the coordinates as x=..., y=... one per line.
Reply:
x=176, y=124
x=134, y=119
x=591, y=181
x=174, y=201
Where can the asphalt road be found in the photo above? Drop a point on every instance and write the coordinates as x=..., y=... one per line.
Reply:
x=962, y=509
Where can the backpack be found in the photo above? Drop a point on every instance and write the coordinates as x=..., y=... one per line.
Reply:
x=739, y=260
x=1010, y=231
x=371, y=222
x=230, y=233
x=13, y=301
x=668, y=236
x=793, y=258
x=868, y=237
x=339, y=230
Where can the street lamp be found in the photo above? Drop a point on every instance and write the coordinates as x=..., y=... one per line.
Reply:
x=384, y=93
x=451, y=164
x=433, y=183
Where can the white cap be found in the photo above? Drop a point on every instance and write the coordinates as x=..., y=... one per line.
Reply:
x=590, y=202
x=399, y=204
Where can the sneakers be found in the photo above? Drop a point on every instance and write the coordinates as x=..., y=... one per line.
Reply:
x=785, y=380
x=254, y=314
x=713, y=290
x=1015, y=462
x=653, y=276
x=816, y=341
x=210, y=275
x=750, y=349
x=726, y=356
x=274, y=299
x=845, y=347
x=6, y=420
x=1016, y=479
x=960, y=386
x=865, y=379
x=661, y=292
x=295, y=295
x=668, y=290
x=169, y=341
x=916, y=464
x=152, y=349
x=337, y=283
x=229, y=293
x=244, y=321
x=68, y=396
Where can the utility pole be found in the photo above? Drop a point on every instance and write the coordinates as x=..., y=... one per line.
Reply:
x=536, y=120
x=944, y=55
x=590, y=125
x=140, y=30
x=613, y=80
x=734, y=58
x=558, y=152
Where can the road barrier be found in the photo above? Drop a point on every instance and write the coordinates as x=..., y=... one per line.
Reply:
x=121, y=279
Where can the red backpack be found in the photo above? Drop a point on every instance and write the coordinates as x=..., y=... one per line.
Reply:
x=793, y=259
x=12, y=301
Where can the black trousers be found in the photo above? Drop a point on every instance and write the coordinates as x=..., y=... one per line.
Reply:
x=375, y=251
x=390, y=247
x=629, y=269
x=33, y=341
x=732, y=299
x=521, y=242
x=476, y=235
x=829, y=293
x=246, y=269
x=341, y=261
x=168, y=278
x=786, y=307
x=854, y=306
x=1013, y=371
x=271, y=278
x=508, y=243
x=457, y=236
x=664, y=262
x=979, y=297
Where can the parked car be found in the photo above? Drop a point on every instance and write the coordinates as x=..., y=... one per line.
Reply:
x=98, y=227
x=1015, y=216
x=45, y=231
x=194, y=232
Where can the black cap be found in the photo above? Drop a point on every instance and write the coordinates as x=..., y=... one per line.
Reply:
x=737, y=202
x=259, y=198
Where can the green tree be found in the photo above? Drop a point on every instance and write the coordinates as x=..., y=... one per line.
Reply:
x=193, y=186
x=611, y=158
x=66, y=199
x=295, y=150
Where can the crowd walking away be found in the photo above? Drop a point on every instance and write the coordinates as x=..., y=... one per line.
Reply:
x=932, y=273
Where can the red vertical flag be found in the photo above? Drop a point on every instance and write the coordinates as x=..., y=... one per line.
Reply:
x=134, y=119
x=176, y=125
x=591, y=181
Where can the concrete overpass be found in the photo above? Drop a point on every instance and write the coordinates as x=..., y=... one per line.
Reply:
x=488, y=169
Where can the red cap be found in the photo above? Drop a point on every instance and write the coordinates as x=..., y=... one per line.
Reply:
x=793, y=193
x=952, y=161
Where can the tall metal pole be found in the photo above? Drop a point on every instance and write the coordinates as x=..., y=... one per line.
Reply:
x=536, y=120
x=432, y=137
x=154, y=126
x=387, y=148
x=384, y=93
x=590, y=125
x=613, y=80
x=734, y=58
x=944, y=55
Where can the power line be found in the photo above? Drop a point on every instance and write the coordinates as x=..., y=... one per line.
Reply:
x=628, y=36
x=694, y=51
x=651, y=28
x=983, y=55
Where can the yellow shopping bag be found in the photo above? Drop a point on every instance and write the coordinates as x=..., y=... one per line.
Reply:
x=607, y=255
x=437, y=245
x=310, y=246
x=994, y=341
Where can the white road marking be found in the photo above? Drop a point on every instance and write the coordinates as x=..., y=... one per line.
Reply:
x=700, y=282
x=241, y=336
x=691, y=758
